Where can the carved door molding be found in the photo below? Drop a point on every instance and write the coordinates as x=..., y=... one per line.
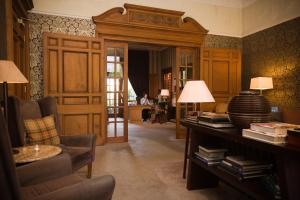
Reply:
x=149, y=25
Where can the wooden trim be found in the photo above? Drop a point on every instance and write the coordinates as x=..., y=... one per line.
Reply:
x=149, y=25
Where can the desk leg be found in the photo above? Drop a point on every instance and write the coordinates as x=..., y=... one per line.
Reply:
x=187, y=139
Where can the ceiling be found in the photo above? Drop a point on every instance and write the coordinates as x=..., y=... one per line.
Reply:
x=228, y=3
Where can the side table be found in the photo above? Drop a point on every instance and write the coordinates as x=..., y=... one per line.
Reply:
x=33, y=153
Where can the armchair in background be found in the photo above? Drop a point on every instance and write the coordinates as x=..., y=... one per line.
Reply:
x=81, y=148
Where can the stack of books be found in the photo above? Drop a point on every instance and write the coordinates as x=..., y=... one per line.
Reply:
x=210, y=155
x=273, y=132
x=243, y=168
x=191, y=118
x=215, y=120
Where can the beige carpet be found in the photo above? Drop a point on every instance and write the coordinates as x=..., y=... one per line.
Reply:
x=149, y=166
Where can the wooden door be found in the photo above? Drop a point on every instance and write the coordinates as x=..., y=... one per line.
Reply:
x=20, y=47
x=73, y=73
x=187, y=62
x=221, y=70
x=116, y=66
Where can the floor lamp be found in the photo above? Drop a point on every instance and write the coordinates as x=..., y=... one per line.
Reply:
x=193, y=92
x=9, y=73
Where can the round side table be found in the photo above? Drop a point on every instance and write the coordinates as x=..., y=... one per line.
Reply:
x=33, y=153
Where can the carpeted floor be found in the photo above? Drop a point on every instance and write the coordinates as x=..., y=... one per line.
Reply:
x=149, y=167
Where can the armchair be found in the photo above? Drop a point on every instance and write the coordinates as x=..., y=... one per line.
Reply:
x=66, y=187
x=81, y=148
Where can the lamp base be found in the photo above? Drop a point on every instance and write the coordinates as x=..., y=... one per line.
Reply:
x=5, y=96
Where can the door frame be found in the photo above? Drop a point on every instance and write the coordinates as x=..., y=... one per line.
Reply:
x=117, y=44
x=142, y=24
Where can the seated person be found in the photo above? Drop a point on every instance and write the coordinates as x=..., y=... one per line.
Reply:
x=145, y=112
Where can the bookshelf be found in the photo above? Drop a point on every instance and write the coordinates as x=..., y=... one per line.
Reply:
x=285, y=159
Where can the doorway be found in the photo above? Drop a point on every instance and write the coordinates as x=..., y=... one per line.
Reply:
x=147, y=25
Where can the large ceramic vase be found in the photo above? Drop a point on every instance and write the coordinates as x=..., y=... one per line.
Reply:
x=248, y=107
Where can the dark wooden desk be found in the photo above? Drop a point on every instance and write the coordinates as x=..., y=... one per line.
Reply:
x=285, y=158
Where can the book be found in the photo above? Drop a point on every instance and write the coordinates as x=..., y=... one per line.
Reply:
x=212, y=154
x=242, y=161
x=240, y=176
x=276, y=128
x=241, y=173
x=211, y=149
x=209, y=158
x=248, y=169
x=216, y=125
x=264, y=136
x=208, y=162
x=214, y=117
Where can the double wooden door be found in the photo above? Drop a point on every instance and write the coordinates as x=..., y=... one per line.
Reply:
x=88, y=77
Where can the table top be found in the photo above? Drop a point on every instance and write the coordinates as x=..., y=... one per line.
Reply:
x=35, y=152
x=140, y=106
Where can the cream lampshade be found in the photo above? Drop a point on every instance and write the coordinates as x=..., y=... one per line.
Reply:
x=165, y=93
x=9, y=73
x=195, y=92
x=261, y=83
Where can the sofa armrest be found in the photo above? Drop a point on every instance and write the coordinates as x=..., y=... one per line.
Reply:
x=45, y=170
x=88, y=140
x=92, y=189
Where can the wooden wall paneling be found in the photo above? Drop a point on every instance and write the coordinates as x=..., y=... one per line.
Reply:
x=221, y=70
x=73, y=73
x=15, y=40
x=154, y=71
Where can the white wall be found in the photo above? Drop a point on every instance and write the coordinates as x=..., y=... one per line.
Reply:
x=230, y=20
x=218, y=19
x=263, y=14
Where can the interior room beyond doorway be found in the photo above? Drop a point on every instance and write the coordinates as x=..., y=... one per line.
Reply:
x=150, y=69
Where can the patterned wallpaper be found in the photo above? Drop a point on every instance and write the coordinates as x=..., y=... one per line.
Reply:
x=49, y=23
x=275, y=52
x=219, y=41
x=85, y=27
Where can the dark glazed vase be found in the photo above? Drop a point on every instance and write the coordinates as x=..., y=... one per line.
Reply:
x=248, y=107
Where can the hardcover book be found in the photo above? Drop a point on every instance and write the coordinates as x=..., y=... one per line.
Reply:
x=216, y=125
x=276, y=128
x=211, y=149
x=209, y=158
x=242, y=161
x=264, y=136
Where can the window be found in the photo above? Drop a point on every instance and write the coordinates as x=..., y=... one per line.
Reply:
x=131, y=93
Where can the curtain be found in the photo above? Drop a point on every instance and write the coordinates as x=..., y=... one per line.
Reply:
x=138, y=71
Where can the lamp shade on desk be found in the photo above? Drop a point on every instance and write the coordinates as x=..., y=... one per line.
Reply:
x=195, y=92
x=165, y=93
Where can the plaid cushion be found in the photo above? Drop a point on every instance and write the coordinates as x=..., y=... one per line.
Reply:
x=41, y=131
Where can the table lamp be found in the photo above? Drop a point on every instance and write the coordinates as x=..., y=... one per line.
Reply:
x=261, y=83
x=164, y=93
x=195, y=92
x=9, y=73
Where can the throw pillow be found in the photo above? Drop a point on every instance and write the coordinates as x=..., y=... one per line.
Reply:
x=41, y=131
